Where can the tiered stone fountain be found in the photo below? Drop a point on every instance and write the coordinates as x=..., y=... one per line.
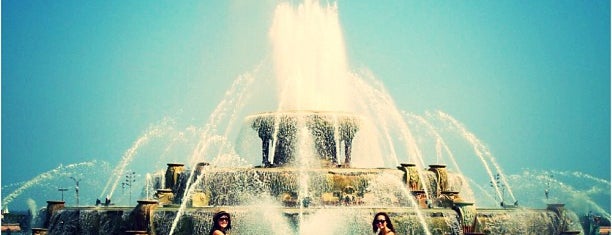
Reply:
x=318, y=195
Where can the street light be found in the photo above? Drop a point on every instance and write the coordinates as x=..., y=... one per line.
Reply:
x=76, y=189
x=130, y=178
x=62, y=190
x=547, y=190
x=499, y=185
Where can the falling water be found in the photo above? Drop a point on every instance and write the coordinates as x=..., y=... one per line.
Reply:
x=236, y=106
x=481, y=151
x=176, y=139
x=148, y=185
x=128, y=156
x=239, y=86
x=32, y=207
x=234, y=99
x=401, y=187
x=577, y=190
x=483, y=191
x=391, y=111
x=440, y=144
x=187, y=194
x=305, y=151
x=467, y=191
x=337, y=139
x=378, y=106
x=582, y=176
x=59, y=171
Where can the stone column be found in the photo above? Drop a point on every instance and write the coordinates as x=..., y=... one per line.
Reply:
x=52, y=207
x=199, y=198
x=39, y=231
x=198, y=170
x=265, y=151
x=412, y=181
x=564, y=219
x=264, y=127
x=142, y=217
x=467, y=215
x=165, y=196
x=347, y=152
x=348, y=129
x=286, y=141
x=137, y=232
x=411, y=176
x=441, y=178
x=172, y=174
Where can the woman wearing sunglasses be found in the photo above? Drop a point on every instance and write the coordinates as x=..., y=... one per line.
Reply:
x=382, y=224
x=222, y=223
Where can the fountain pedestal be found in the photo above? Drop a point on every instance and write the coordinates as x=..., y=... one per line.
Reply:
x=39, y=231
x=142, y=217
x=52, y=208
x=467, y=212
x=411, y=176
x=420, y=197
x=137, y=232
x=164, y=196
x=200, y=199
x=441, y=178
x=172, y=174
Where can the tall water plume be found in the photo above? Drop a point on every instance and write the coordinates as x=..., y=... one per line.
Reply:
x=309, y=58
x=312, y=73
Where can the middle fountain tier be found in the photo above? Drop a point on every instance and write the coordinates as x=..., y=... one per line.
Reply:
x=306, y=170
x=301, y=168
x=292, y=187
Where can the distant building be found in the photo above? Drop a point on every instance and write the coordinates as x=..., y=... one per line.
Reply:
x=11, y=228
x=15, y=222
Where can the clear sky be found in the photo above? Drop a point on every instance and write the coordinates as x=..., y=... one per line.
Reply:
x=82, y=80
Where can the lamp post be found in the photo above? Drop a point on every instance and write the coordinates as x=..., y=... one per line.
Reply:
x=130, y=178
x=76, y=188
x=547, y=190
x=498, y=184
x=62, y=190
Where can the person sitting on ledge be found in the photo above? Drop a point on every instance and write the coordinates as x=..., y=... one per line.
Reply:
x=382, y=224
x=222, y=223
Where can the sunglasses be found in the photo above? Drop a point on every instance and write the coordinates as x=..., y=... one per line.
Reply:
x=223, y=219
x=380, y=221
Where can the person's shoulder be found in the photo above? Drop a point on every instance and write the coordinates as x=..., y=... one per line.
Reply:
x=391, y=233
x=218, y=232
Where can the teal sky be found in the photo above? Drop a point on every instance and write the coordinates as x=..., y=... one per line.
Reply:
x=82, y=80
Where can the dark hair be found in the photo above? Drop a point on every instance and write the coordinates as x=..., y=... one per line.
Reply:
x=389, y=224
x=215, y=224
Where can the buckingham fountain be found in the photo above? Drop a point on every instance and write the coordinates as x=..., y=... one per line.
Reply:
x=316, y=172
x=291, y=194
